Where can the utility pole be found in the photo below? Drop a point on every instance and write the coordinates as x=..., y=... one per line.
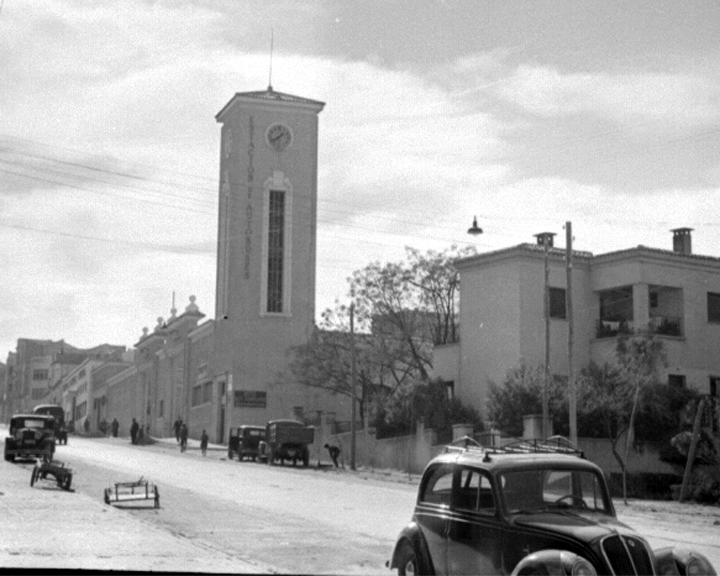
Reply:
x=546, y=239
x=572, y=392
x=353, y=432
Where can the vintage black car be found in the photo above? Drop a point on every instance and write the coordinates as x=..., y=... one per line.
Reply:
x=58, y=413
x=527, y=509
x=286, y=440
x=31, y=436
x=244, y=442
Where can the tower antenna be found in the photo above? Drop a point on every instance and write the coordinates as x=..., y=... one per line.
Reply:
x=272, y=38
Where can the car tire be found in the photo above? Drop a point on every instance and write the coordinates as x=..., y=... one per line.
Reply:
x=408, y=564
x=10, y=457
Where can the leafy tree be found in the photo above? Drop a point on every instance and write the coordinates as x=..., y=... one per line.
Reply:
x=410, y=306
x=325, y=361
x=520, y=394
x=612, y=395
x=401, y=310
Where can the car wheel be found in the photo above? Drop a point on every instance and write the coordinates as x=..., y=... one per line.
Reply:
x=10, y=457
x=408, y=561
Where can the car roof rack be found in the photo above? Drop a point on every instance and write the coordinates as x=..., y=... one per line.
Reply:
x=552, y=445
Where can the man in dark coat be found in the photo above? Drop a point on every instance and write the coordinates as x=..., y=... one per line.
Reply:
x=114, y=427
x=134, y=427
x=183, y=437
x=176, y=427
x=334, y=453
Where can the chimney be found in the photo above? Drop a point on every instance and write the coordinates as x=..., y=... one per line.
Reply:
x=682, y=241
x=545, y=237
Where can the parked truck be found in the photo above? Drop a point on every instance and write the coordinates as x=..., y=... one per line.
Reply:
x=58, y=413
x=287, y=440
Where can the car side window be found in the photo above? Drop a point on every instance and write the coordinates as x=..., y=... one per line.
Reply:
x=438, y=488
x=474, y=492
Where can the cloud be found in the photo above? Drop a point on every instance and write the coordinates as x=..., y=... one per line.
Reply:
x=674, y=98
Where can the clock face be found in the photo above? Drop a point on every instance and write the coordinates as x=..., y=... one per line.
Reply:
x=278, y=136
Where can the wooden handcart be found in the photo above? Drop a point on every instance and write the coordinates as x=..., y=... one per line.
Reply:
x=122, y=492
x=56, y=469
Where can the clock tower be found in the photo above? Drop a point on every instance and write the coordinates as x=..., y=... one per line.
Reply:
x=267, y=221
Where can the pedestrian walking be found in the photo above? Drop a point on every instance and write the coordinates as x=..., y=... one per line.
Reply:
x=183, y=437
x=86, y=425
x=204, y=443
x=114, y=427
x=134, y=427
x=176, y=426
x=334, y=453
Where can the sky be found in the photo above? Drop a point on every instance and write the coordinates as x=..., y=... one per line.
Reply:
x=526, y=114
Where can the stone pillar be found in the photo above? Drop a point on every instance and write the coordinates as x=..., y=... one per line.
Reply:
x=641, y=306
x=461, y=430
x=532, y=427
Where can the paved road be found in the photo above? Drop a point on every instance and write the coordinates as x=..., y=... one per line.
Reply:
x=225, y=516
x=255, y=517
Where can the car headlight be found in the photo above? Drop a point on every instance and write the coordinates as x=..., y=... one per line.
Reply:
x=698, y=566
x=582, y=567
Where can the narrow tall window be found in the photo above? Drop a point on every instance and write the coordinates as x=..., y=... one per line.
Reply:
x=276, y=251
x=713, y=307
x=557, y=303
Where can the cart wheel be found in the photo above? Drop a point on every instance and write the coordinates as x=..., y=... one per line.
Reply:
x=157, y=497
x=68, y=482
x=34, y=476
x=106, y=498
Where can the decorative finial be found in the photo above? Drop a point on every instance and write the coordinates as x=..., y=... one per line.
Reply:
x=159, y=324
x=192, y=307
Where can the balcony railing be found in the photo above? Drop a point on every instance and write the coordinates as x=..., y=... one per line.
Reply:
x=611, y=328
x=666, y=325
x=661, y=325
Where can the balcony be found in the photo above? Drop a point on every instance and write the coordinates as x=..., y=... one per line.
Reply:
x=612, y=328
x=666, y=325
x=660, y=325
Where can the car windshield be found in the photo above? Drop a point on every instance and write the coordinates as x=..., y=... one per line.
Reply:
x=551, y=488
x=33, y=423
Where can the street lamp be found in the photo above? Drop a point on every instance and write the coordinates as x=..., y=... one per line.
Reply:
x=475, y=229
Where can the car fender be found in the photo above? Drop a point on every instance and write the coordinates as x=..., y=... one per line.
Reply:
x=548, y=562
x=675, y=560
x=412, y=534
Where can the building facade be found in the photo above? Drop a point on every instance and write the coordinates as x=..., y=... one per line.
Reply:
x=232, y=370
x=675, y=294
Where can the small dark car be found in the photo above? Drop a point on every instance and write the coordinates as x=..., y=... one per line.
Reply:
x=59, y=414
x=31, y=436
x=286, y=440
x=526, y=509
x=244, y=442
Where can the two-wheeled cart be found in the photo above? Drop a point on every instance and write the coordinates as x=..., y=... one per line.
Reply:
x=122, y=492
x=61, y=474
